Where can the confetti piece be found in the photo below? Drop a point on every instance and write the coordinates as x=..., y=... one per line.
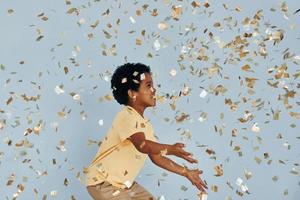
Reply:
x=218, y=170
x=203, y=196
x=239, y=181
x=176, y=12
x=214, y=188
x=81, y=21
x=76, y=97
x=203, y=94
x=247, y=174
x=115, y=193
x=132, y=20
x=128, y=183
x=162, y=26
x=124, y=80
x=142, y=76
x=135, y=73
x=255, y=128
x=173, y=72
x=135, y=81
x=100, y=122
x=59, y=90
x=2, y=124
x=156, y=45
x=161, y=197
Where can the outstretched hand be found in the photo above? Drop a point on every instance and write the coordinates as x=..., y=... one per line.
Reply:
x=177, y=150
x=194, y=177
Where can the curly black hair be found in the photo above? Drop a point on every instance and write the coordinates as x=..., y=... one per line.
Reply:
x=127, y=76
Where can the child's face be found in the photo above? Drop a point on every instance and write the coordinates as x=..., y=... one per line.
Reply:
x=146, y=92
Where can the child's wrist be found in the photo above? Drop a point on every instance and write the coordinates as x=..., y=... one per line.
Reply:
x=170, y=149
x=184, y=171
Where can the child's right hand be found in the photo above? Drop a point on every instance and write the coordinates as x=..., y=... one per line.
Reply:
x=194, y=177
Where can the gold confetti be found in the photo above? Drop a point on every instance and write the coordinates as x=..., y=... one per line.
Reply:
x=218, y=170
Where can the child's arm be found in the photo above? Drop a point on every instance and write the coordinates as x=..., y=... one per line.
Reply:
x=156, y=151
x=149, y=147
x=168, y=164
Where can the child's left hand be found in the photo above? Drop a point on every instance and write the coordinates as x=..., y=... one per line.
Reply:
x=177, y=150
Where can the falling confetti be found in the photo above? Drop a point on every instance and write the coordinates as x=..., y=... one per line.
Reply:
x=236, y=74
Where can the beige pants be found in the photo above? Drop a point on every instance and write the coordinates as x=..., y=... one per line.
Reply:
x=106, y=191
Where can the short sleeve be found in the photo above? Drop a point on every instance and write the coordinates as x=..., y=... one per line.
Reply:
x=129, y=124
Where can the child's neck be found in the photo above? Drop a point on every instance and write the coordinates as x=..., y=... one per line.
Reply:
x=140, y=109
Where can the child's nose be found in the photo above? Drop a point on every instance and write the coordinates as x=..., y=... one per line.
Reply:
x=153, y=89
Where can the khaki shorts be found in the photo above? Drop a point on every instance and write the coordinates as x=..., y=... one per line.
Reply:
x=106, y=191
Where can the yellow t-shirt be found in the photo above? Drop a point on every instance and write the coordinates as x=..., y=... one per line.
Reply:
x=120, y=161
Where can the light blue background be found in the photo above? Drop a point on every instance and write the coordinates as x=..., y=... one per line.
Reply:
x=42, y=71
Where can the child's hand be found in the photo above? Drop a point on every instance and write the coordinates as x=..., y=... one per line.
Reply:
x=177, y=150
x=194, y=177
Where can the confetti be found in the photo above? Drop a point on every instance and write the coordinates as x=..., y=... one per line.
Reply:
x=142, y=76
x=100, y=122
x=156, y=45
x=124, y=80
x=203, y=196
x=132, y=20
x=203, y=94
x=255, y=128
x=173, y=72
x=128, y=183
x=162, y=26
x=115, y=193
x=244, y=64
x=58, y=90
x=218, y=170
x=54, y=193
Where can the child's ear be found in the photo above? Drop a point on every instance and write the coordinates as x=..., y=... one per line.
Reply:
x=130, y=93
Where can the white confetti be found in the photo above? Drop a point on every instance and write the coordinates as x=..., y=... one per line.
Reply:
x=244, y=188
x=76, y=97
x=106, y=78
x=173, y=72
x=53, y=193
x=62, y=148
x=81, y=21
x=132, y=20
x=203, y=196
x=100, y=122
x=156, y=45
x=116, y=193
x=59, y=90
x=142, y=76
x=255, y=128
x=297, y=57
x=201, y=119
x=183, y=49
x=161, y=197
x=203, y=94
x=124, y=80
x=135, y=73
x=162, y=26
x=128, y=184
x=239, y=181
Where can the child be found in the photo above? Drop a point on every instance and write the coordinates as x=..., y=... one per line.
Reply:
x=130, y=140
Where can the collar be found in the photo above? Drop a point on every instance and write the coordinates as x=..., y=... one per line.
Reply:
x=136, y=112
